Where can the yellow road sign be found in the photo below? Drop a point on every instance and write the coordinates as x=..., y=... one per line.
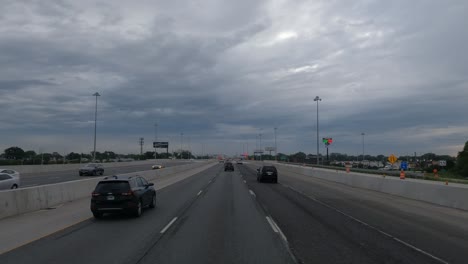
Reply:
x=392, y=159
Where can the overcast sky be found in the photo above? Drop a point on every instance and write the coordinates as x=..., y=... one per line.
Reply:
x=222, y=72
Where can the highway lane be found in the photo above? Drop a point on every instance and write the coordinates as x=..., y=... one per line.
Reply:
x=216, y=221
x=35, y=179
x=327, y=222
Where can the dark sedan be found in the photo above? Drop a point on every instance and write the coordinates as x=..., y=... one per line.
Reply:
x=91, y=169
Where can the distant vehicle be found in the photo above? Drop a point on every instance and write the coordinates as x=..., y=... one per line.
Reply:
x=267, y=173
x=122, y=194
x=8, y=181
x=155, y=167
x=10, y=172
x=91, y=169
x=228, y=166
x=221, y=161
x=388, y=168
x=239, y=162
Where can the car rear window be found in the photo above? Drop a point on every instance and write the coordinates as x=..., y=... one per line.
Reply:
x=269, y=169
x=113, y=186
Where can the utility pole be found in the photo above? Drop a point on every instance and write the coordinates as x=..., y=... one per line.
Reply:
x=261, y=150
x=141, y=142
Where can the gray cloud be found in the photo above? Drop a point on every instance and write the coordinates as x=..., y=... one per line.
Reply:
x=223, y=73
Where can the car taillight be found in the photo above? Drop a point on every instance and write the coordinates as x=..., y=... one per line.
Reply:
x=95, y=194
x=130, y=193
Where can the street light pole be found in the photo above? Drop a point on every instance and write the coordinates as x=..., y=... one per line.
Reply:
x=276, y=148
x=155, y=138
x=363, y=134
x=95, y=126
x=181, y=143
x=317, y=99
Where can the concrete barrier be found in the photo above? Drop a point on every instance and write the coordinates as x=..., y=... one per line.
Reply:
x=452, y=195
x=19, y=201
x=64, y=167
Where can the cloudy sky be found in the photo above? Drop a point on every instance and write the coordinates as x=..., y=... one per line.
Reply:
x=222, y=72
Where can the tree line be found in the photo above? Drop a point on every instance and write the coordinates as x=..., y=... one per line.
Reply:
x=17, y=156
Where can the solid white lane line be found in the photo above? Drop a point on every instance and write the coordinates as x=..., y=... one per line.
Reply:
x=372, y=227
x=252, y=193
x=199, y=192
x=168, y=225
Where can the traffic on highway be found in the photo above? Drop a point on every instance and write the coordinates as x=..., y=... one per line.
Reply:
x=218, y=216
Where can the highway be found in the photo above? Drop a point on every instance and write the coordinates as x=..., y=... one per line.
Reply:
x=41, y=178
x=228, y=217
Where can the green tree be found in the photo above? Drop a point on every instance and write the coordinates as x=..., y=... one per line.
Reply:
x=462, y=161
x=73, y=156
x=14, y=153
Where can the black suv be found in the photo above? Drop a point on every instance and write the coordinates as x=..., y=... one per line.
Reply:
x=228, y=166
x=122, y=194
x=91, y=169
x=267, y=173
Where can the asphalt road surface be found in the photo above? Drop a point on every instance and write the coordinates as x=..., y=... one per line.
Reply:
x=35, y=179
x=210, y=217
x=228, y=217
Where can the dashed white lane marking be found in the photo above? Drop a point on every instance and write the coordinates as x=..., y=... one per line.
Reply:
x=371, y=227
x=245, y=181
x=199, y=192
x=252, y=193
x=168, y=225
x=209, y=181
x=276, y=228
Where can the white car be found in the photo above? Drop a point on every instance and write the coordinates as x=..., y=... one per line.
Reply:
x=10, y=172
x=155, y=167
x=8, y=181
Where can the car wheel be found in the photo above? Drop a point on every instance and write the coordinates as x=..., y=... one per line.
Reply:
x=97, y=215
x=275, y=181
x=101, y=173
x=153, y=202
x=94, y=173
x=14, y=186
x=81, y=174
x=139, y=209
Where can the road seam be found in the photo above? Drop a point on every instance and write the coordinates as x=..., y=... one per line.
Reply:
x=370, y=226
x=168, y=225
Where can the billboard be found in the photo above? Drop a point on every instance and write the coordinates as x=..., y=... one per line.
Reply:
x=160, y=144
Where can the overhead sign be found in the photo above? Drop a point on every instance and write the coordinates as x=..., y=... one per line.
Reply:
x=258, y=151
x=392, y=159
x=442, y=163
x=160, y=144
x=269, y=148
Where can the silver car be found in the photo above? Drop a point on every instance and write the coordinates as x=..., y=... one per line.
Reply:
x=8, y=181
x=10, y=172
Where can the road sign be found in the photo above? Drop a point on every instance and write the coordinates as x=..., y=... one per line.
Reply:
x=327, y=141
x=442, y=163
x=160, y=144
x=392, y=159
x=404, y=165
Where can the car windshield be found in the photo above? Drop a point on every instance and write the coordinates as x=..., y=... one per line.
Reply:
x=270, y=131
x=112, y=186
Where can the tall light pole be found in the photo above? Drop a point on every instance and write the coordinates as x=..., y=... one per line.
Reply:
x=155, y=138
x=276, y=148
x=261, y=150
x=317, y=99
x=181, y=143
x=363, y=134
x=95, y=126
